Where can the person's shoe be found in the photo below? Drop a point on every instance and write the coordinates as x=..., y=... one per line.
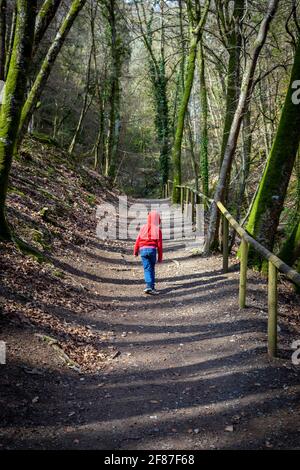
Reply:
x=154, y=292
x=148, y=291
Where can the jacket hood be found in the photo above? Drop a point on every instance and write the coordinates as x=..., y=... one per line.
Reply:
x=154, y=219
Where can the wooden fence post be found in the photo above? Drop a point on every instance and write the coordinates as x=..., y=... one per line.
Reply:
x=272, y=309
x=193, y=206
x=187, y=201
x=243, y=273
x=225, y=244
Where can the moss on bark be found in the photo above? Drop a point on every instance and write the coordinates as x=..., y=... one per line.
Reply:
x=3, y=5
x=269, y=201
x=204, y=170
x=197, y=20
x=290, y=252
x=13, y=99
x=43, y=20
x=176, y=154
x=42, y=77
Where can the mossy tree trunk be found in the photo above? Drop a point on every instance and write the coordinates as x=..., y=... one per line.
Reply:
x=100, y=86
x=114, y=118
x=244, y=99
x=118, y=52
x=13, y=99
x=47, y=65
x=232, y=37
x=43, y=20
x=85, y=103
x=113, y=129
x=204, y=167
x=237, y=204
x=159, y=82
x=190, y=143
x=290, y=252
x=176, y=152
x=196, y=33
x=162, y=124
x=10, y=40
x=269, y=201
x=231, y=33
x=3, y=6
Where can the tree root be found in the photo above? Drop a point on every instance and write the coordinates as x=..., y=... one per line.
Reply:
x=29, y=250
x=54, y=343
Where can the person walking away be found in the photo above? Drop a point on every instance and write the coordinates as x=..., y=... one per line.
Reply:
x=149, y=245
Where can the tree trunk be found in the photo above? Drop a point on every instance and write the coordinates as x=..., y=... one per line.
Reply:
x=196, y=34
x=204, y=168
x=13, y=99
x=194, y=160
x=114, y=130
x=98, y=148
x=3, y=6
x=233, y=40
x=290, y=252
x=244, y=99
x=176, y=153
x=43, y=20
x=245, y=170
x=84, y=107
x=234, y=76
x=99, y=145
x=269, y=201
x=114, y=127
x=42, y=77
x=10, y=41
x=159, y=81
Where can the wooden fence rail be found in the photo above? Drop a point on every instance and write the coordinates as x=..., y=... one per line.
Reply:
x=191, y=196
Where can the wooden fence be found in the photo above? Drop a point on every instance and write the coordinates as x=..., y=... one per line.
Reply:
x=193, y=197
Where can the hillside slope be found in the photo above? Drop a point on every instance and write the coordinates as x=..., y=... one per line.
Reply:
x=52, y=205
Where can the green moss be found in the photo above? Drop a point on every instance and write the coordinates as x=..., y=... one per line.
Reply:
x=268, y=204
x=176, y=153
x=13, y=99
x=29, y=250
x=290, y=252
x=13, y=190
x=92, y=200
x=204, y=168
x=46, y=67
x=44, y=213
x=59, y=274
x=39, y=237
x=44, y=138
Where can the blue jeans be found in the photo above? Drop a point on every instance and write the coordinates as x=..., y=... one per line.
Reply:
x=148, y=256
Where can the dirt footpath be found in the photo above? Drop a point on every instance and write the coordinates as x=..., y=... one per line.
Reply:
x=191, y=373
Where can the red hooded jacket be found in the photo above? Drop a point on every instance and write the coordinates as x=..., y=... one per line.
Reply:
x=150, y=236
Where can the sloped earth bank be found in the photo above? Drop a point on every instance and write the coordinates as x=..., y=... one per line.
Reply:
x=184, y=370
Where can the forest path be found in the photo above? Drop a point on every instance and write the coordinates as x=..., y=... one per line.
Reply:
x=193, y=371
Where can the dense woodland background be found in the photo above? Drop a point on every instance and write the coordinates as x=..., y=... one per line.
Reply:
x=199, y=92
